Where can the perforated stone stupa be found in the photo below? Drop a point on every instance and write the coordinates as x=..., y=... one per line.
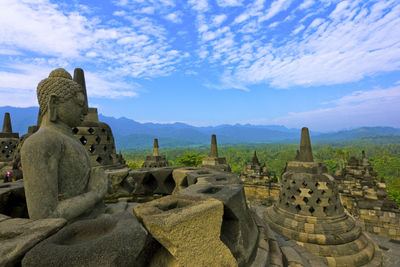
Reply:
x=155, y=160
x=96, y=136
x=310, y=212
x=8, y=141
x=214, y=161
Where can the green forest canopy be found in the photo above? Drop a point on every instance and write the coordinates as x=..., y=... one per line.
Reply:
x=385, y=158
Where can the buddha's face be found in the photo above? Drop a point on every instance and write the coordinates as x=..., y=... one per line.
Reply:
x=72, y=111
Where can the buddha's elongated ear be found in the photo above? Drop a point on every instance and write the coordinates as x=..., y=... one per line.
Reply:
x=52, y=107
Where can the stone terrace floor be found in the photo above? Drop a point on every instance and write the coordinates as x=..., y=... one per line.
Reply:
x=390, y=249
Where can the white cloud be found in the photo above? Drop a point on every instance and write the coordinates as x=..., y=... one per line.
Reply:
x=199, y=5
x=119, y=13
x=174, y=17
x=274, y=24
x=42, y=28
x=225, y=3
x=298, y=29
x=316, y=22
x=242, y=17
x=339, y=51
x=207, y=36
x=217, y=20
x=48, y=31
x=276, y=7
x=306, y=4
x=20, y=81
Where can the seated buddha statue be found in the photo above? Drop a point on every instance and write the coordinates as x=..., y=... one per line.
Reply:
x=59, y=181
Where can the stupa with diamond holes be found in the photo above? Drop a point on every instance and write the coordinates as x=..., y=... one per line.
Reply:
x=309, y=211
x=155, y=160
x=215, y=162
x=8, y=141
x=96, y=136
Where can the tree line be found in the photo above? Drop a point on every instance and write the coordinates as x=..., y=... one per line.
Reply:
x=384, y=158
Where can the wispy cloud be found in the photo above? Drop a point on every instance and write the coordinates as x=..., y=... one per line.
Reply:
x=361, y=108
x=276, y=7
x=227, y=3
x=282, y=43
x=354, y=43
x=174, y=17
x=62, y=38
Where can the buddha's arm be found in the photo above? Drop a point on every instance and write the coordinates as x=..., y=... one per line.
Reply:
x=40, y=158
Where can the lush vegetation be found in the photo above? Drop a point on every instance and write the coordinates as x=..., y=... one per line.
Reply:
x=385, y=158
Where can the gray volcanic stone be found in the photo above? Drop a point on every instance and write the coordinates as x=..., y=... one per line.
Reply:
x=19, y=235
x=12, y=200
x=110, y=240
x=238, y=230
x=165, y=181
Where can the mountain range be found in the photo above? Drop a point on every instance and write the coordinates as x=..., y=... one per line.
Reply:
x=130, y=134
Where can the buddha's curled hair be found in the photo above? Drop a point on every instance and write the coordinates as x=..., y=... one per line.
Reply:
x=59, y=83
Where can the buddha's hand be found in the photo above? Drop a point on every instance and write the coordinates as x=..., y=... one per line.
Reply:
x=98, y=182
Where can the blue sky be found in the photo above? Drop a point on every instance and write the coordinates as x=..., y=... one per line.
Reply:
x=325, y=64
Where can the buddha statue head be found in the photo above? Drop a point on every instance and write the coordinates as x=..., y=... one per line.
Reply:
x=61, y=99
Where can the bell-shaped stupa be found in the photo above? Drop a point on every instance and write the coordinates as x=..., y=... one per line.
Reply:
x=309, y=211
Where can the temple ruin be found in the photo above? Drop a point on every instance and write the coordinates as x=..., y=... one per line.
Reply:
x=366, y=198
x=261, y=186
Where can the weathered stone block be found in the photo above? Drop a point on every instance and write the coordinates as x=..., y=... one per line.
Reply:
x=12, y=200
x=165, y=181
x=189, y=228
x=181, y=178
x=19, y=235
x=110, y=240
x=117, y=176
x=238, y=231
x=144, y=182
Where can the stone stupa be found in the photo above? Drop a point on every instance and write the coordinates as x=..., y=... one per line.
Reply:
x=8, y=141
x=254, y=171
x=155, y=160
x=310, y=212
x=96, y=136
x=214, y=161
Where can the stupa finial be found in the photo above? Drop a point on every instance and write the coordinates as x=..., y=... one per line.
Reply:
x=305, y=153
x=255, y=159
x=7, y=128
x=79, y=77
x=156, y=151
x=214, y=147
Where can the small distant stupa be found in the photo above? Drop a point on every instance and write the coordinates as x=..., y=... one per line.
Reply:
x=254, y=171
x=214, y=161
x=8, y=141
x=155, y=160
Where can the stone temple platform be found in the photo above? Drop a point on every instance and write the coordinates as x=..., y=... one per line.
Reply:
x=202, y=220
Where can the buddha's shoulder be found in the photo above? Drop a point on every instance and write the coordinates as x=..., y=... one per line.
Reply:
x=44, y=139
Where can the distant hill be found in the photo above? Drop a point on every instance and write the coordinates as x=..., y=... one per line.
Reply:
x=132, y=134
